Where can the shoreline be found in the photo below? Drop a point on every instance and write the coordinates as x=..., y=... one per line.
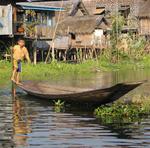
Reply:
x=85, y=68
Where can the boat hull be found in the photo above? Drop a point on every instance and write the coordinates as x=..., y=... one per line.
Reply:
x=51, y=92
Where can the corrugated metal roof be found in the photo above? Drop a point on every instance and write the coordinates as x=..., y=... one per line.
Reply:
x=32, y=6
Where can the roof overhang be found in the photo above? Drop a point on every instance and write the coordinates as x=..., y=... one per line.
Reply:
x=13, y=2
x=31, y=6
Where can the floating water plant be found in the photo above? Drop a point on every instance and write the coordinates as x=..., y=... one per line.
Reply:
x=119, y=112
x=59, y=105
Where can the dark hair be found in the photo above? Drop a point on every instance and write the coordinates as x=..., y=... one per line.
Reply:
x=20, y=39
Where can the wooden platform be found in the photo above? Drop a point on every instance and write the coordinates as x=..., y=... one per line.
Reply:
x=51, y=92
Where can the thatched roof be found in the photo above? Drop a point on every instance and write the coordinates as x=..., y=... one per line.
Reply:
x=78, y=4
x=144, y=11
x=81, y=24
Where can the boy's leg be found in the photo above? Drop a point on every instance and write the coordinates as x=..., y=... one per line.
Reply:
x=18, y=73
x=13, y=77
x=15, y=67
x=18, y=78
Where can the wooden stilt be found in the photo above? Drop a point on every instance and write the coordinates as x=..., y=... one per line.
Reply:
x=76, y=55
x=53, y=51
x=65, y=55
x=48, y=55
x=59, y=55
x=86, y=54
x=42, y=55
x=34, y=56
x=91, y=53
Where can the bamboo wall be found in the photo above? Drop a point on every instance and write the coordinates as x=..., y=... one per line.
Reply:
x=145, y=26
x=88, y=40
x=83, y=40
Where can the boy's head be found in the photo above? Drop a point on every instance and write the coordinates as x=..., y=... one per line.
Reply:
x=21, y=42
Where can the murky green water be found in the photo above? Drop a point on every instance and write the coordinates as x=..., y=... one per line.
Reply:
x=27, y=122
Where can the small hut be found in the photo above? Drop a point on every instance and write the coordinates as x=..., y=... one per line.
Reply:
x=144, y=19
x=83, y=30
x=86, y=34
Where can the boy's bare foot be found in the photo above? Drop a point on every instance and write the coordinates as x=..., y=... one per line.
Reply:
x=13, y=80
x=18, y=83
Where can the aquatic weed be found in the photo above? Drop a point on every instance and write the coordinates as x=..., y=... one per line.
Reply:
x=58, y=105
x=121, y=112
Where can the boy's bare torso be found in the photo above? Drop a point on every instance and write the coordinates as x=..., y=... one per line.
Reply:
x=19, y=52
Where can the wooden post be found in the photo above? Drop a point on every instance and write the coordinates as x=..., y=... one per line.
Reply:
x=34, y=56
x=65, y=55
x=15, y=14
x=54, y=34
x=53, y=50
x=42, y=52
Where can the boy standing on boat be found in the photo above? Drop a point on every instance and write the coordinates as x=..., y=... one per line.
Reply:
x=20, y=52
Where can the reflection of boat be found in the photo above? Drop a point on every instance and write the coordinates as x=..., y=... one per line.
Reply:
x=47, y=91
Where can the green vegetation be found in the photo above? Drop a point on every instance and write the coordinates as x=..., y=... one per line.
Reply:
x=118, y=22
x=124, y=46
x=51, y=71
x=59, y=103
x=5, y=71
x=59, y=106
x=122, y=112
x=4, y=48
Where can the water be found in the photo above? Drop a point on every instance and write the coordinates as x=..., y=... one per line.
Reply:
x=30, y=123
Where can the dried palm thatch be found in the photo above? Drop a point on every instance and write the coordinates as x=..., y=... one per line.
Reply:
x=144, y=11
x=78, y=4
x=81, y=25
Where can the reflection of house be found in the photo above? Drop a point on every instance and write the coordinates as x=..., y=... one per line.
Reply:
x=144, y=18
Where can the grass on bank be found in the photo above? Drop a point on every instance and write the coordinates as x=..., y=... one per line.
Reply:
x=44, y=71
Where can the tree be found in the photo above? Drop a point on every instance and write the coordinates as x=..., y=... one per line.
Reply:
x=118, y=22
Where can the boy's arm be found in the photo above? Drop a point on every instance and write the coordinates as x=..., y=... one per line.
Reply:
x=13, y=49
x=27, y=56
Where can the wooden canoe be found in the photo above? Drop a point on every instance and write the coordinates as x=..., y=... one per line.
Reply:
x=47, y=91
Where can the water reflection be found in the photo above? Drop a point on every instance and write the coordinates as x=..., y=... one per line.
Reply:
x=35, y=124
x=21, y=123
x=102, y=80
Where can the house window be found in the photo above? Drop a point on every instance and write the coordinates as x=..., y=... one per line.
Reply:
x=125, y=11
x=73, y=36
x=99, y=10
x=50, y=20
x=42, y=18
x=31, y=16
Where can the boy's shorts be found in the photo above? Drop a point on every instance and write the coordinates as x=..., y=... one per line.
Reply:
x=17, y=65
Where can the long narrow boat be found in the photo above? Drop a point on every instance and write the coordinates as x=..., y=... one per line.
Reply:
x=47, y=91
